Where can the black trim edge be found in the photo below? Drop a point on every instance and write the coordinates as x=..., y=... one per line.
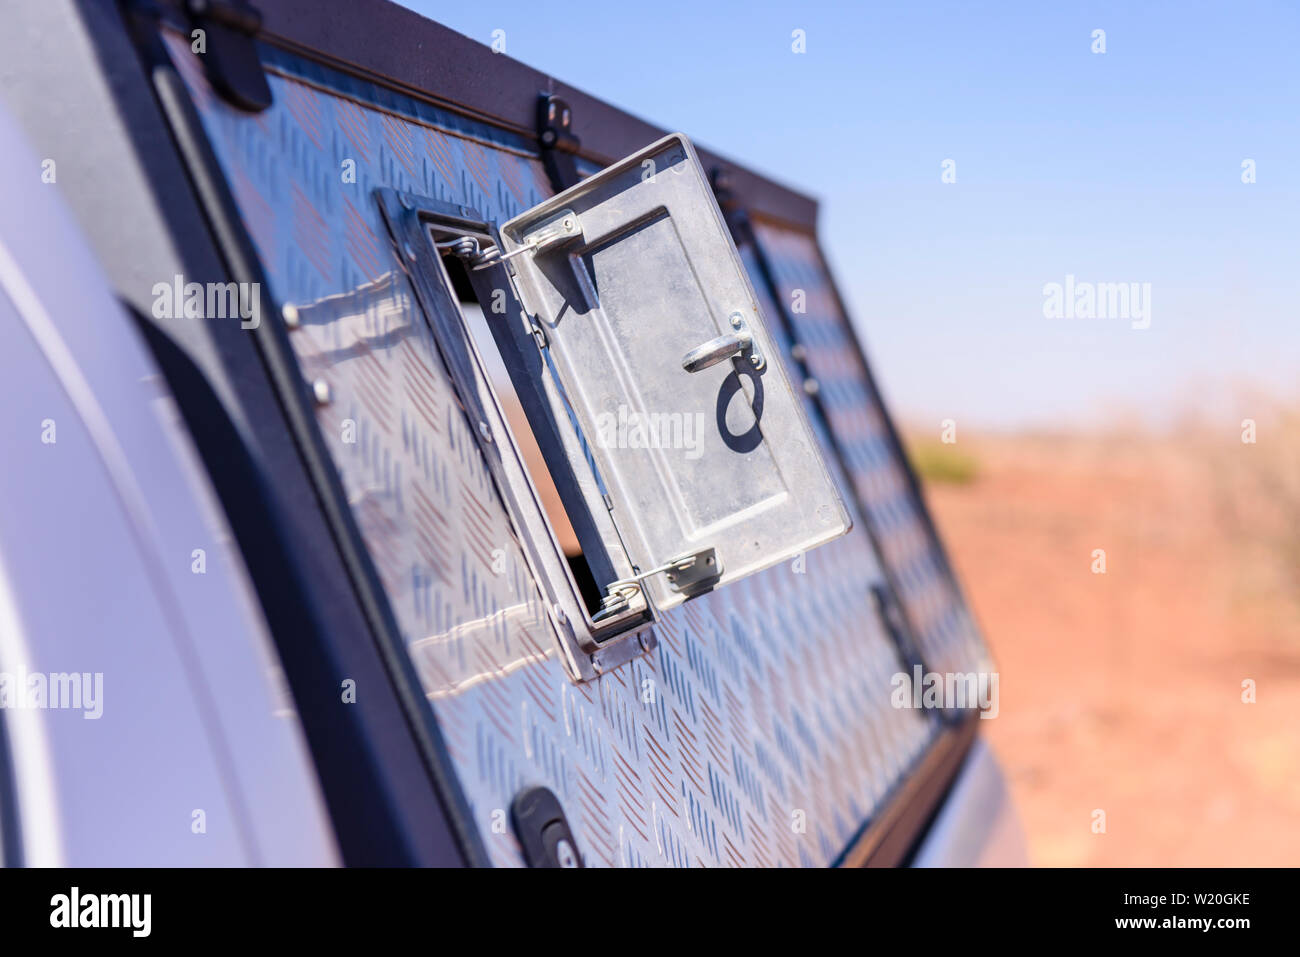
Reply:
x=889, y=839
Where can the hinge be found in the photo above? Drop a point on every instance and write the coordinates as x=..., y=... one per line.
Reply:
x=561, y=228
x=229, y=51
x=686, y=574
x=559, y=145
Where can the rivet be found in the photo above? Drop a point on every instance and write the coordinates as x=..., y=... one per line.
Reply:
x=320, y=389
x=290, y=313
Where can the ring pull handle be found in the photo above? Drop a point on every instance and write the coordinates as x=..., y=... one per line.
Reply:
x=729, y=346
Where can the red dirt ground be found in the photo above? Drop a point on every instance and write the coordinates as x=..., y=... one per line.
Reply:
x=1123, y=691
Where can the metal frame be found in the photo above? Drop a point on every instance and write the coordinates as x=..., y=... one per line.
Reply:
x=388, y=44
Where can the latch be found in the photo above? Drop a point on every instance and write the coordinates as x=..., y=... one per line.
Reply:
x=553, y=232
x=542, y=829
x=685, y=574
x=230, y=59
x=725, y=347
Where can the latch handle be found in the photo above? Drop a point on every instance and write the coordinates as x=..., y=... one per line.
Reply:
x=729, y=346
x=715, y=351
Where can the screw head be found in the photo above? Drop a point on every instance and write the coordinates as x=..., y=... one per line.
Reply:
x=321, y=392
x=290, y=313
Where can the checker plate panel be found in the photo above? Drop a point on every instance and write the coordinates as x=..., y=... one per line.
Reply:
x=760, y=731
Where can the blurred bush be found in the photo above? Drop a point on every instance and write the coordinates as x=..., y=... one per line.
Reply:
x=941, y=462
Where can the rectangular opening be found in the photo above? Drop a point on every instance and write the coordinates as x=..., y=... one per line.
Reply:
x=590, y=583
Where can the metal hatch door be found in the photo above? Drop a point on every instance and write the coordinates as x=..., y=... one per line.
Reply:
x=654, y=332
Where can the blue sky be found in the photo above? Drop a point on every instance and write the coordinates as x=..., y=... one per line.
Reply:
x=1123, y=166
